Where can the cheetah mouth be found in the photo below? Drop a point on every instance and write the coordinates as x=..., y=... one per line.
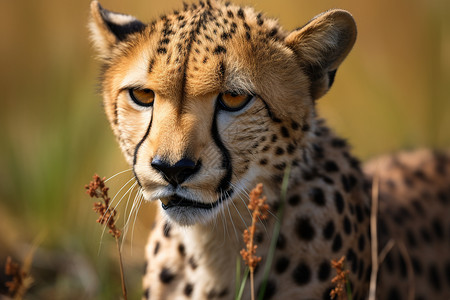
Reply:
x=177, y=201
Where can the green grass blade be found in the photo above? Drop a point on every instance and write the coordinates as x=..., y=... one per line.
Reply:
x=244, y=280
x=276, y=232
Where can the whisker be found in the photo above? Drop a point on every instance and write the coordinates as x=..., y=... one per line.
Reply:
x=140, y=201
x=127, y=170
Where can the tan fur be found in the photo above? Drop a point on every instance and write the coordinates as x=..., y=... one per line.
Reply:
x=188, y=59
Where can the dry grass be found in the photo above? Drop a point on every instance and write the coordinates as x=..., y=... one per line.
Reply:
x=21, y=279
x=340, y=280
x=259, y=212
x=97, y=189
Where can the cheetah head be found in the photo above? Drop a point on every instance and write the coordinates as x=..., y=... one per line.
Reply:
x=201, y=100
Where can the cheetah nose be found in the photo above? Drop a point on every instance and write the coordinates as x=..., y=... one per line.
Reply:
x=177, y=173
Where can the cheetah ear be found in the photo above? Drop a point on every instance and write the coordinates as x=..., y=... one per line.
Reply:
x=321, y=46
x=109, y=28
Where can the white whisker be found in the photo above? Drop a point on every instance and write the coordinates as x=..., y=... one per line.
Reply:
x=127, y=170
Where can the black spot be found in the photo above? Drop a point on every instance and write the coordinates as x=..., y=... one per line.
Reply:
x=327, y=294
x=447, y=272
x=211, y=294
x=156, y=248
x=337, y=243
x=361, y=269
x=301, y=274
x=416, y=266
x=437, y=228
x=281, y=242
x=290, y=148
x=434, y=278
x=411, y=238
x=402, y=265
x=161, y=50
x=259, y=20
x=281, y=264
x=294, y=125
x=225, y=36
x=221, y=69
x=359, y=213
x=223, y=292
x=192, y=263
x=259, y=237
x=338, y=143
x=324, y=271
x=351, y=257
x=279, y=151
x=150, y=65
x=188, y=289
x=443, y=197
x=263, y=162
x=394, y=294
x=418, y=207
x=331, y=166
x=181, y=250
x=361, y=242
x=305, y=231
x=389, y=262
x=339, y=201
x=328, y=230
x=146, y=294
x=280, y=167
x=219, y=50
x=230, y=14
x=294, y=200
x=273, y=32
x=247, y=35
x=164, y=41
x=319, y=151
x=306, y=127
x=318, y=196
x=327, y=179
x=284, y=132
x=269, y=291
x=274, y=138
x=241, y=14
x=425, y=235
x=166, y=229
x=345, y=183
x=347, y=225
x=166, y=276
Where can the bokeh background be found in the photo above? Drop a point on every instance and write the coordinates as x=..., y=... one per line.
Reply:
x=391, y=93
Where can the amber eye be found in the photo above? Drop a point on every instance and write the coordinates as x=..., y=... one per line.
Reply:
x=234, y=101
x=142, y=97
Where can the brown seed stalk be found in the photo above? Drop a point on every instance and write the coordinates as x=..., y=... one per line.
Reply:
x=259, y=212
x=21, y=280
x=97, y=189
x=340, y=280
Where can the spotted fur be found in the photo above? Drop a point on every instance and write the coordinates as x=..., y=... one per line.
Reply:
x=201, y=158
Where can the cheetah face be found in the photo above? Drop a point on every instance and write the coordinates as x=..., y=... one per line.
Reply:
x=198, y=99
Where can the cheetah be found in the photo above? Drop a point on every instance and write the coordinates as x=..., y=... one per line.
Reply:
x=210, y=100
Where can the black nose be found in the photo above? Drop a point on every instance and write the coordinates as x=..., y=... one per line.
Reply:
x=177, y=173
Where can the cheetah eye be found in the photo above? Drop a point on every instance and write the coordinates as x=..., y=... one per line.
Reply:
x=231, y=101
x=142, y=97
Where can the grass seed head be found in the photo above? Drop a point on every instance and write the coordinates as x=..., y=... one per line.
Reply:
x=107, y=215
x=340, y=280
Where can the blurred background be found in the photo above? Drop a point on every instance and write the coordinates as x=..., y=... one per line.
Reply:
x=391, y=93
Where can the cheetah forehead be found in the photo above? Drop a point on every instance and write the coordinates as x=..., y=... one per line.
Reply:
x=202, y=49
